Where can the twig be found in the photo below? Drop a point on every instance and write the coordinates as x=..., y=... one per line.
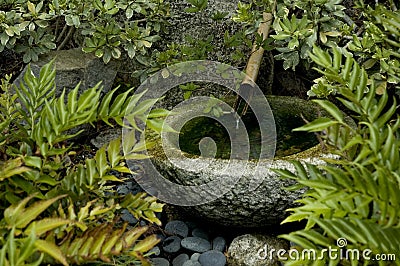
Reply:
x=66, y=39
x=62, y=33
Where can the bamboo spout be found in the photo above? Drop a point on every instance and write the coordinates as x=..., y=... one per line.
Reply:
x=253, y=64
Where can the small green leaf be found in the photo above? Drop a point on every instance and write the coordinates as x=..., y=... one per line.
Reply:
x=113, y=152
x=331, y=108
x=29, y=214
x=31, y=7
x=146, y=244
x=42, y=226
x=318, y=124
x=52, y=250
x=33, y=161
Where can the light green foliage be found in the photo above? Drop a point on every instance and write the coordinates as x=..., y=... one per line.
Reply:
x=197, y=6
x=217, y=16
x=16, y=251
x=300, y=24
x=296, y=32
x=191, y=49
x=378, y=48
x=250, y=14
x=337, y=74
x=188, y=89
x=297, y=25
x=56, y=208
x=355, y=196
x=213, y=108
x=109, y=27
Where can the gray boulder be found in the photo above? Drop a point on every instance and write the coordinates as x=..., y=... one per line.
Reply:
x=74, y=66
x=105, y=136
x=255, y=250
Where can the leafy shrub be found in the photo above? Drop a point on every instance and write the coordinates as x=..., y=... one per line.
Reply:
x=108, y=26
x=357, y=195
x=377, y=52
x=371, y=34
x=56, y=208
x=296, y=32
x=378, y=49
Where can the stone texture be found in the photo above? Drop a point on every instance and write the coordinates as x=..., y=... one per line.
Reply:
x=180, y=259
x=219, y=244
x=212, y=258
x=195, y=256
x=74, y=66
x=159, y=262
x=177, y=227
x=200, y=26
x=171, y=244
x=155, y=251
x=196, y=244
x=128, y=217
x=191, y=263
x=105, y=136
x=242, y=205
x=254, y=250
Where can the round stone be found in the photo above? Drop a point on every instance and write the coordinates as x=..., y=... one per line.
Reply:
x=191, y=263
x=155, y=251
x=171, y=244
x=219, y=244
x=159, y=262
x=200, y=233
x=195, y=256
x=177, y=227
x=212, y=258
x=196, y=244
x=180, y=259
x=128, y=217
x=255, y=250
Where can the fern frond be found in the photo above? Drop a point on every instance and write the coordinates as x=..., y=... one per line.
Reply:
x=104, y=242
x=34, y=91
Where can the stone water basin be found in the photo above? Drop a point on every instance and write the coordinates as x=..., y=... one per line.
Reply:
x=243, y=205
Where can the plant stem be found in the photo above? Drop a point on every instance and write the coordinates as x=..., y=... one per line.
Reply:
x=66, y=39
x=62, y=33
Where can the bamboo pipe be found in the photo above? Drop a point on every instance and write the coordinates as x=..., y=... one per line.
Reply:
x=253, y=64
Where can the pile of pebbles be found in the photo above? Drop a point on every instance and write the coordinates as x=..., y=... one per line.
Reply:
x=185, y=244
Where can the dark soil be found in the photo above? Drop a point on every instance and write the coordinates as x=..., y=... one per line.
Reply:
x=10, y=63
